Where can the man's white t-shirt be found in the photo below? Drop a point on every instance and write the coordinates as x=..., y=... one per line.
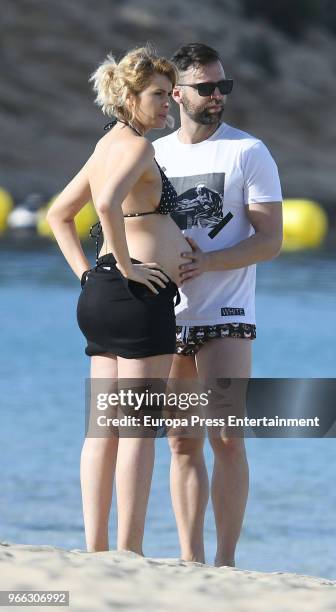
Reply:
x=215, y=179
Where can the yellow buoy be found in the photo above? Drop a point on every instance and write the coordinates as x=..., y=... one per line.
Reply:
x=86, y=217
x=6, y=205
x=42, y=226
x=305, y=225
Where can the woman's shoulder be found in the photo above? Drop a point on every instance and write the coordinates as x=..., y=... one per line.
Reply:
x=131, y=151
x=124, y=143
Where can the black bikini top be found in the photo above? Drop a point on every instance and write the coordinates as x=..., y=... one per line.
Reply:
x=168, y=200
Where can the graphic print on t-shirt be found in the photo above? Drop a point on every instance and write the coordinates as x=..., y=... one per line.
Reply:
x=200, y=201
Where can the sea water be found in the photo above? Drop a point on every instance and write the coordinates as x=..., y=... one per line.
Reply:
x=290, y=518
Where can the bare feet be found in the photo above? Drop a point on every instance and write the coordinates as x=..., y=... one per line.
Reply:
x=227, y=562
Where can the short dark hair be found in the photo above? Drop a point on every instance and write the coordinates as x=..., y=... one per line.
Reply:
x=194, y=54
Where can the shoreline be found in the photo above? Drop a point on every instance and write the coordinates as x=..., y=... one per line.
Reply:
x=124, y=580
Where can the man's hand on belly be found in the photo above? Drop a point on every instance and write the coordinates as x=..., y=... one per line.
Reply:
x=199, y=262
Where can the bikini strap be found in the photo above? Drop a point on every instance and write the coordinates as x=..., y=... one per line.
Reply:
x=110, y=125
x=95, y=233
x=114, y=122
x=141, y=214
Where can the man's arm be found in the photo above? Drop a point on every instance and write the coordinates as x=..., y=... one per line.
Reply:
x=266, y=220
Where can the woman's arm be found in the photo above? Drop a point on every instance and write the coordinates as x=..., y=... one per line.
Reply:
x=61, y=216
x=133, y=162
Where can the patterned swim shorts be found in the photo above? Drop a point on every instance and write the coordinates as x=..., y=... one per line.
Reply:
x=189, y=340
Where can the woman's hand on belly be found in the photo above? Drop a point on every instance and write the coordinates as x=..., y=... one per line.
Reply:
x=157, y=238
x=147, y=274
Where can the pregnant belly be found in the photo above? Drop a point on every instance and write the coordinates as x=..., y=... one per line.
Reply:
x=157, y=238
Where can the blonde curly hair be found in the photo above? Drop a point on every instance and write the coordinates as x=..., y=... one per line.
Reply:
x=113, y=82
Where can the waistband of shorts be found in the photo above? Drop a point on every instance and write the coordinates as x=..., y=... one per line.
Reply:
x=109, y=260
x=106, y=259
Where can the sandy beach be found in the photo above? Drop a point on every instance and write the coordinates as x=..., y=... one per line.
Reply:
x=123, y=580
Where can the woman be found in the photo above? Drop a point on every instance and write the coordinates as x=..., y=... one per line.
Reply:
x=126, y=308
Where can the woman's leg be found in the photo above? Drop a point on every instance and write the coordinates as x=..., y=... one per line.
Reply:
x=136, y=460
x=97, y=467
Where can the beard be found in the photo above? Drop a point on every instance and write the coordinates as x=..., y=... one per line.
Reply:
x=202, y=115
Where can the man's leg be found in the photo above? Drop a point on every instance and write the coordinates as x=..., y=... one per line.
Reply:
x=188, y=478
x=227, y=358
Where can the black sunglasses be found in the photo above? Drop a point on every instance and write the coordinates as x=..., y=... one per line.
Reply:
x=207, y=89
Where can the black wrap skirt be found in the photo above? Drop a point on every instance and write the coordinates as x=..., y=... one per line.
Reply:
x=124, y=317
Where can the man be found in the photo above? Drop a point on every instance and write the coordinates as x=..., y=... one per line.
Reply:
x=208, y=162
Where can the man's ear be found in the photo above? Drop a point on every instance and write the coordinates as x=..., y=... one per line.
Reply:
x=176, y=94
